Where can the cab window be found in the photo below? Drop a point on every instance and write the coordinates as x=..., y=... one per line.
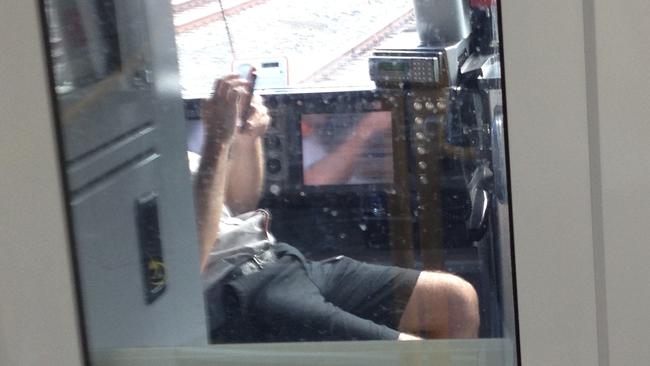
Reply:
x=243, y=175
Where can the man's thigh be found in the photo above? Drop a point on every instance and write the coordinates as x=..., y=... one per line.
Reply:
x=282, y=303
x=374, y=292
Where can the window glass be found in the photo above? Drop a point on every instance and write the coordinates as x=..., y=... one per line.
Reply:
x=360, y=195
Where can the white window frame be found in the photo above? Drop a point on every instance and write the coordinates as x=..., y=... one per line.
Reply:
x=558, y=91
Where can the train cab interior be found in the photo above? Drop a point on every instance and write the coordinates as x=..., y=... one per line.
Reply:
x=429, y=190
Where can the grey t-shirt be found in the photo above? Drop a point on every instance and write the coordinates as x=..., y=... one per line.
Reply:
x=240, y=237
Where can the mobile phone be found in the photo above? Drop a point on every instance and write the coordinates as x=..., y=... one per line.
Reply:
x=248, y=72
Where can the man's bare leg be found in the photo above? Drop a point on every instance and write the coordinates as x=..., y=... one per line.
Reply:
x=441, y=306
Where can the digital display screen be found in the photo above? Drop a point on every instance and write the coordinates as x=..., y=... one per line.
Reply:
x=393, y=66
x=347, y=148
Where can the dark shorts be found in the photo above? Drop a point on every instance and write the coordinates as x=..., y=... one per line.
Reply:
x=295, y=299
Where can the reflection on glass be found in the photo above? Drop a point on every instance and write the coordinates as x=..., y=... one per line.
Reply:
x=389, y=198
x=347, y=148
x=83, y=41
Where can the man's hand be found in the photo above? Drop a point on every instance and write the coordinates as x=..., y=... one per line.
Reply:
x=258, y=120
x=222, y=111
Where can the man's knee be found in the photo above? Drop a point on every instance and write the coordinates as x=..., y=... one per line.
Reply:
x=443, y=305
x=463, y=304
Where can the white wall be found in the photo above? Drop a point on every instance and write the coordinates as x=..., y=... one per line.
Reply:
x=620, y=105
x=549, y=155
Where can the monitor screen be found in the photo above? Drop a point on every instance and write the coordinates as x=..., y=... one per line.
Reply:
x=347, y=148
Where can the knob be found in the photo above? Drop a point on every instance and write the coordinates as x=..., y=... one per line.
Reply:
x=273, y=166
x=272, y=142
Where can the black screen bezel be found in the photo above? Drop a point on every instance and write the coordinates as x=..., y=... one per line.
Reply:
x=290, y=107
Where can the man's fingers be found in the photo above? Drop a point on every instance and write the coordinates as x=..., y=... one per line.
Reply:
x=257, y=100
x=221, y=89
x=258, y=113
x=233, y=96
x=221, y=86
x=258, y=119
x=255, y=106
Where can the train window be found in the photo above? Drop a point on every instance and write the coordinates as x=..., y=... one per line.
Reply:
x=301, y=44
x=362, y=194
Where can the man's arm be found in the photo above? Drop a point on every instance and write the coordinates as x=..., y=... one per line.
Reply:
x=221, y=114
x=245, y=175
x=338, y=166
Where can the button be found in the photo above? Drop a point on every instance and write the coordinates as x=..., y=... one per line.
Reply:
x=429, y=106
x=275, y=189
x=273, y=166
x=421, y=150
x=419, y=120
x=419, y=135
x=272, y=142
x=442, y=105
x=417, y=106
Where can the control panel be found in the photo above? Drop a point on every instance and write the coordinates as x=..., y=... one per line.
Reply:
x=425, y=115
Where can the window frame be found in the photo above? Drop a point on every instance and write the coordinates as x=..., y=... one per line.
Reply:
x=544, y=66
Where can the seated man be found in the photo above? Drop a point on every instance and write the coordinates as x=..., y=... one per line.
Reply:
x=258, y=289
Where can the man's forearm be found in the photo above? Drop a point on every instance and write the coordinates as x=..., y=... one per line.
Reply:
x=245, y=174
x=209, y=186
x=337, y=167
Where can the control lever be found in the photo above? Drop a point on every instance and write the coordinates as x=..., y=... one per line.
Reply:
x=480, y=199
